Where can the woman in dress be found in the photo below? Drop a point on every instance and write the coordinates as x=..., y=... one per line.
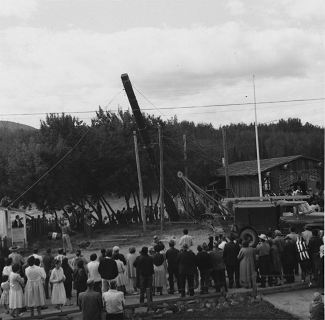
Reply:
x=68, y=273
x=130, y=270
x=121, y=279
x=58, y=292
x=246, y=265
x=16, y=296
x=5, y=286
x=80, y=278
x=160, y=273
x=7, y=269
x=34, y=290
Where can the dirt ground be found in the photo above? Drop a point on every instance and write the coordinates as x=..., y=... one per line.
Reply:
x=127, y=235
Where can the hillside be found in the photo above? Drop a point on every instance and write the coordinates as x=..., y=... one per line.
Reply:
x=15, y=126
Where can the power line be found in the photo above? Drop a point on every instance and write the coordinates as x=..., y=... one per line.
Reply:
x=173, y=108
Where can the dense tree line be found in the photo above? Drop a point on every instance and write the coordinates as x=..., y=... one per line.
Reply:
x=77, y=165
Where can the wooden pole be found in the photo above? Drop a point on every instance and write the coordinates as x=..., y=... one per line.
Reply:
x=185, y=161
x=143, y=214
x=162, y=210
x=257, y=147
x=225, y=154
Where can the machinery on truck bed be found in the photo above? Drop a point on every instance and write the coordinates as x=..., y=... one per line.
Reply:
x=252, y=216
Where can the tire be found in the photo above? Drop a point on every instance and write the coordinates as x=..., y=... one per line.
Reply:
x=251, y=236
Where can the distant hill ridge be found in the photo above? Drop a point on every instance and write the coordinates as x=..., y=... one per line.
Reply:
x=15, y=126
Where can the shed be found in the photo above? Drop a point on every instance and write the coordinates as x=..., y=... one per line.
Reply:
x=278, y=175
x=13, y=226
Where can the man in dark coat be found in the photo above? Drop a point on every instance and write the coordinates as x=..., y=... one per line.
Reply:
x=204, y=263
x=230, y=254
x=107, y=270
x=313, y=249
x=171, y=257
x=145, y=267
x=289, y=259
x=218, y=273
x=187, y=266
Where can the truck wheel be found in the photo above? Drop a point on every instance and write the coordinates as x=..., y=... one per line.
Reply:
x=251, y=236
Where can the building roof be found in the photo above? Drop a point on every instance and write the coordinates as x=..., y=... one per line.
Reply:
x=249, y=168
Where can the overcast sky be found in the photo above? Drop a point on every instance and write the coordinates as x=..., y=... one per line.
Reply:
x=186, y=58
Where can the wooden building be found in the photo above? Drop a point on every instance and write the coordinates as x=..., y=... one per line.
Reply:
x=278, y=175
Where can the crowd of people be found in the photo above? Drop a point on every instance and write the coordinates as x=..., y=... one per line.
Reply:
x=221, y=262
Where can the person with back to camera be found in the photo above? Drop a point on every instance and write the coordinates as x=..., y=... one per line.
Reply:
x=144, y=265
x=34, y=290
x=5, y=286
x=186, y=239
x=107, y=269
x=68, y=273
x=172, y=266
x=16, y=296
x=114, y=303
x=230, y=253
x=90, y=302
x=187, y=266
x=92, y=268
x=246, y=267
x=204, y=263
x=131, y=272
x=65, y=229
x=218, y=272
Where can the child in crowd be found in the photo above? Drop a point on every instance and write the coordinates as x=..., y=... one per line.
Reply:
x=5, y=286
x=58, y=293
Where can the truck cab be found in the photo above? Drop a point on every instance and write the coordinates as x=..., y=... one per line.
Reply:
x=298, y=214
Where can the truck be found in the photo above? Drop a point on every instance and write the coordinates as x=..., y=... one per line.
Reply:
x=252, y=218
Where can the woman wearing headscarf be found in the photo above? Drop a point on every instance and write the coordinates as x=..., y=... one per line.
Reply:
x=34, y=290
x=80, y=278
x=316, y=307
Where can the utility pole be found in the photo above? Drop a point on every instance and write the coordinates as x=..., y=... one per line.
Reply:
x=186, y=187
x=143, y=214
x=257, y=147
x=225, y=155
x=161, y=157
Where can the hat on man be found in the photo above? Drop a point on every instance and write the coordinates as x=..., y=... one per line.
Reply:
x=155, y=237
x=116, y=248
x=14, y=248
x=262, y=237
x=310, y=189
x=307, y=227
x=277, y=233
x=287, y=238
x=90, y=281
